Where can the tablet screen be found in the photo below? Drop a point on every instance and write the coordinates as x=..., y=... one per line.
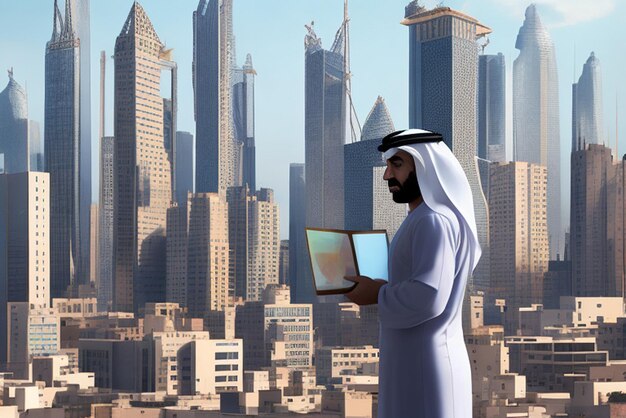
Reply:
x=331, y=259
x=371, y=254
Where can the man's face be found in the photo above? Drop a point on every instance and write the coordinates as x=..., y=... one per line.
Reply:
x=401, y=178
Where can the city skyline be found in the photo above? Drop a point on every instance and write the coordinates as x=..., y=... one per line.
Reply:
x=280, y=111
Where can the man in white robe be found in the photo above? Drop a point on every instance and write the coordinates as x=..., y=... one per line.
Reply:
x=424, y=366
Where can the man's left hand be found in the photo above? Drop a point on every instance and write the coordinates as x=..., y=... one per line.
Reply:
x=366, y=290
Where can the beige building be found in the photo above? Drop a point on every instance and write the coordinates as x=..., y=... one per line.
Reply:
x=24, y=244
x=332, y=363
x=143, y=166
x=518, y=232
x=254, y=232
x=76, y=307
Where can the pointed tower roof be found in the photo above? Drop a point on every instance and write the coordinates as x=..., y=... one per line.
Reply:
x=138, y=18
x=378, y=123
x=532, y=30
x=13, y=102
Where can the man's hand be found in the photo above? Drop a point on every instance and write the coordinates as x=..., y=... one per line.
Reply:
x=366, y=290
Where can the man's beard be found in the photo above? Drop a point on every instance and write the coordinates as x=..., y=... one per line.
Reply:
x=409, y=190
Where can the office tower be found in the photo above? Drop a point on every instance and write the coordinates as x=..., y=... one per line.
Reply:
x=24, y=244
x=218, y=153
x=14, y=127
x=170, y=112
x=198, y=254
x=94, y=255
x=596, y=232
x=368, y=203
x=536, y=135
x=184, y=166
x=243, y=119
x=443, y=64
x=142, y=169
x=35, y=146
x=587, y=105
x=106, y=212
x=491, y=115
x=519, y=234
x=62, y=154
x=254, y=236
x=283, y=275
x=324, y=130
x=301, y=282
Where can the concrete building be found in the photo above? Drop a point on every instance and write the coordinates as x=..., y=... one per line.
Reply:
x=106, y=213
x=198, y=254
x=518, y=233
x=254, y=236
x=275, y=331
x=24, y=244
x=14, y=128
x=218, y=153
x=324, y=130
x=283, y=263
x=207, y=367
x=536, y=134
x=443, y=65
x=142, y=185
x=332, y=363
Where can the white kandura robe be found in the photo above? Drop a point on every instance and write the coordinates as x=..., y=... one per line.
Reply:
x=424, y=366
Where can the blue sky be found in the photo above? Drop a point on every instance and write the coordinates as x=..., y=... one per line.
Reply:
x=273, y=32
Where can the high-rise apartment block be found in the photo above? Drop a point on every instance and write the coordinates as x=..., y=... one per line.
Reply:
x=254, y=234
x=519, y=234
x=142, y=169
x=443, y=65
x=536, y=134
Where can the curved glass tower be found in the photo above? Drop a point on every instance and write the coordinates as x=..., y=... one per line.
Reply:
x=587, y=105
x=536, y=135
x=14, y=127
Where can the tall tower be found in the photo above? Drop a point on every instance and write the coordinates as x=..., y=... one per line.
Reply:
x=491, y=107
x=536, y=135
x=63, y=153
x=14, y=127
x=443, y=63
x=587, y=105
x=218, y=153
x=324, y=130
x=142, y=169
x=301, y=285
x=243, y=119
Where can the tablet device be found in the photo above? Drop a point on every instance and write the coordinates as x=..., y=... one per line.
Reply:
x=334, y=254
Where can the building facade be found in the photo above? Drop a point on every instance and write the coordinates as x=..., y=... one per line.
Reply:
x=106, y=214
x=14, y=128
x=243, y=119
x=587, y=116
x=184, y=166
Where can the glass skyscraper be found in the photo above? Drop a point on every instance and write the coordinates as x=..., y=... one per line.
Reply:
x=243, y=119
x=324, y=131
x=63, y=153
x=300, y=278
x=536, y=135
x=443, y=64
x=14, y=127
x=587, y=106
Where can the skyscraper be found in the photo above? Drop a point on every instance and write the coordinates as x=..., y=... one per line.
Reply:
x=491, y=107
x=14, y=127
x=183, y=166
x=301, y=282
x=324, y=130
x=63, y=147
x=243, y=119
x=536, y=135
x=35, y=146
x=591, y=228
x=218, y=153
x=106, y=214
x=24, y=244
x=254, y=237
x=142, y=169
x=519, y=233
x=587, y=105
x=443, y=63
x=367, y=198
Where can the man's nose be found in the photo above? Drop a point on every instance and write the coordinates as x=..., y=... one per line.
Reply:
x=387, y=174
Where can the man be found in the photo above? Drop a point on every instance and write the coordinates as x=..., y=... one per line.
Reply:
x=424, y=367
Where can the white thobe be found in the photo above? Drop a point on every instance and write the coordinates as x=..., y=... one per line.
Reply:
x=424, y=366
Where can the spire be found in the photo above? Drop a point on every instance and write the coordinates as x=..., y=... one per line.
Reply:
x=68, y=29
x=57, y=22
x=138, y=16
x=312, y=42
x=378, y=123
